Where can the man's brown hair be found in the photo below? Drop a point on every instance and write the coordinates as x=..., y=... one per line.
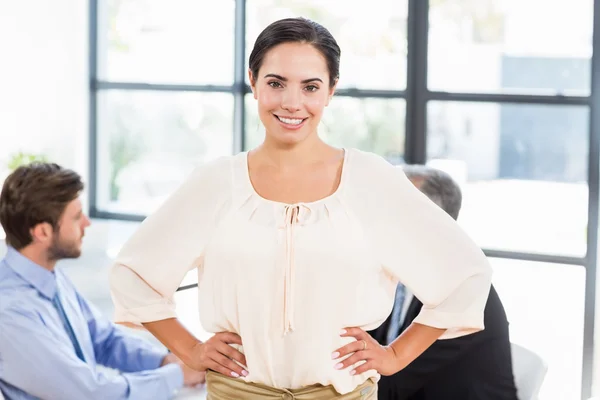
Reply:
x=33, y=194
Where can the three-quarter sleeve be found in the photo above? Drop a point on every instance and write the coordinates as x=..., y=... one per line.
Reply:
x=170, y=242
x=426, y=250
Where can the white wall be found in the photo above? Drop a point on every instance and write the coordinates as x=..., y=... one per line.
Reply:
x=43, y=80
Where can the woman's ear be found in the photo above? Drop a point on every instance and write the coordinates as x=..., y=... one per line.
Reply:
x=252, y=82
x=331, y=92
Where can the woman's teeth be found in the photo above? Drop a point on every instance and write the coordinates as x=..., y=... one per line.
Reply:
x=291, y=121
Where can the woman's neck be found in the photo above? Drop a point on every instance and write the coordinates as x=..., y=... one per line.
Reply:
x=300, y=154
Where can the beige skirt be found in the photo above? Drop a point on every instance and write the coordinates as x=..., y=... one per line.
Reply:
x=221, y=387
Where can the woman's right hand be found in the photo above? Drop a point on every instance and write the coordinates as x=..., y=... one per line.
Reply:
x=217, y=355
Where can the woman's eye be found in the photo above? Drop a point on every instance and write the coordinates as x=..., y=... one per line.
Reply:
x=274, y=84
x=312, y=88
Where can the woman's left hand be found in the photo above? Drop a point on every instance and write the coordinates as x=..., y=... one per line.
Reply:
x=383, y=359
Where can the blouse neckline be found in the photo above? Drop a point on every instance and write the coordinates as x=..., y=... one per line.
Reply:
x=334, y=194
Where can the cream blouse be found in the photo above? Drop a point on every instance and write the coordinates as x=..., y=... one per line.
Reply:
x=288, y=277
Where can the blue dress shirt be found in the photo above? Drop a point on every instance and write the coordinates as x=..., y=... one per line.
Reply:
x=37, y=357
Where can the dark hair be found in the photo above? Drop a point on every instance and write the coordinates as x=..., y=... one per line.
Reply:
x=32, y=194
x=301, y=30
x=438, y=186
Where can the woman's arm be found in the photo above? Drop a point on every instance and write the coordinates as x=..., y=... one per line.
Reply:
x=176, y=338
x=151, y=265
x=215, y=354
x=411, y=344
x=387, y=360
x=422, y=247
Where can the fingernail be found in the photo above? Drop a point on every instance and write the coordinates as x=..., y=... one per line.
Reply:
x=244, y=372
x=335, y=355
x=338, y=366
x=235, y=374
x=352, y=372
x=343, y=332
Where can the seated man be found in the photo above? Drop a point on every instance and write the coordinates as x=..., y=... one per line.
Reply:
x=51, y=339
x=473, y=367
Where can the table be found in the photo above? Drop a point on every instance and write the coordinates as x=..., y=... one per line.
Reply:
x=192, y=394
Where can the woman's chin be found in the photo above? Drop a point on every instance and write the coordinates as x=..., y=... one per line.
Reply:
x=288, y=138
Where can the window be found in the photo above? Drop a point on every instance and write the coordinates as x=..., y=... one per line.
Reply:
x=372, y=36
x=150, y=141
x=523, y=172
x=186, y=302
x=510, y=46
x=544, y=304
x=155, y=41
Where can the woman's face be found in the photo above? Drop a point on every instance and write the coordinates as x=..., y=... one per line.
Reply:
x=292, y=89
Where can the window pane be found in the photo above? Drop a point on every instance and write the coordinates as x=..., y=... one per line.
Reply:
x=186, y=303
x=177, y=41
x=150, y=141
x=372, y=35
x=531, y=46
x=523, y=171
x=35, y=140
x=190, y=278
x=375, y=125
x=545, y=308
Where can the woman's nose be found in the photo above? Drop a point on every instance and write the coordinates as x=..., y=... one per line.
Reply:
x=291, y=101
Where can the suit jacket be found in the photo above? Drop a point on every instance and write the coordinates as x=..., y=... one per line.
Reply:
x=472, y=367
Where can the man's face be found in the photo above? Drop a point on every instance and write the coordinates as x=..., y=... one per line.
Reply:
x=418, y=182
x=68, y=238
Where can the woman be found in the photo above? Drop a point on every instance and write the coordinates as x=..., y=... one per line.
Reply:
x=299, y=247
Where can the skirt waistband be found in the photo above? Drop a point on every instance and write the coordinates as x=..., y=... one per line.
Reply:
x=221, y=387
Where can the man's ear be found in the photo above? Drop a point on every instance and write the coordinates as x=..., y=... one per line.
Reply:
x=42, y=233
x=417, y=181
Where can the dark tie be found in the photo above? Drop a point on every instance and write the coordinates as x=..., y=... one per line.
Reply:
x=65, y=320
x=395, y=321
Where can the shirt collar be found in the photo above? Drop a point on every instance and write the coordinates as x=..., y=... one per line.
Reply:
x=36, y=275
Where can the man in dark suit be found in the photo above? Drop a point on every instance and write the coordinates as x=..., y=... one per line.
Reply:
x=472, y=367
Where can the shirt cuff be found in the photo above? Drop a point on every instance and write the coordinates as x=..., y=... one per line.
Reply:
x=150, y=313
x=174, y=378
x=154, y=357
x=456, y=325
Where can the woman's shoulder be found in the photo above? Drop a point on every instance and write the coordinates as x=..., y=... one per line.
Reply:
x=214, y=173
x=374, y=181
x=216, y=164
x=370, y=166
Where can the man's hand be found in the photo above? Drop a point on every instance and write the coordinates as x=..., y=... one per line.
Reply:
x=191, y=377
x=169, y=359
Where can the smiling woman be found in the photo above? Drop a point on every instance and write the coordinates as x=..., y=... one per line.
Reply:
x=314, y=237
x=292, y=88
x=293, y=74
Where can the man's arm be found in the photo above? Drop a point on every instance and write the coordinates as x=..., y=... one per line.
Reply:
x=45, y=367
x=115, y=347
x=444, y=353
x=432, y=361
x=437, y=357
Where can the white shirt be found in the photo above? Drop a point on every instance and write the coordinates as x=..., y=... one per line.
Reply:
x=288, y=277
x=408, y=297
